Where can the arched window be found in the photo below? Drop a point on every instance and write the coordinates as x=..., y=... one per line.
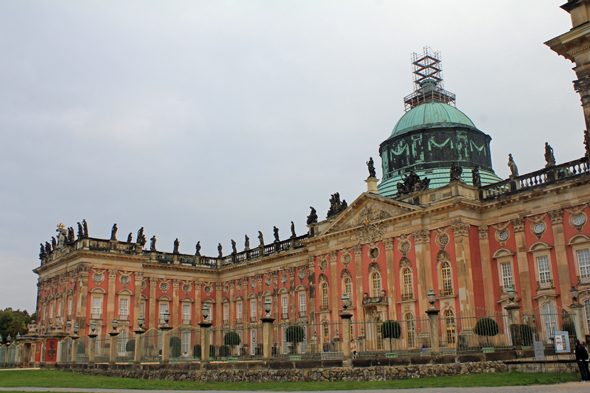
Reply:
x=447, y=280
x=324, y=288
x=408, y=287
x=376, y=284
x=410, y=330
x=449, y=324
x=348, y=287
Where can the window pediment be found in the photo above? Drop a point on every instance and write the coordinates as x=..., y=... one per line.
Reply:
x=98, y=290
x=540, y=246
x=502, y=252
x=165, y=298
x=578, y=239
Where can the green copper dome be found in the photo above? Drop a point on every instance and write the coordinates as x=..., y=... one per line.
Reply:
x=431, y=115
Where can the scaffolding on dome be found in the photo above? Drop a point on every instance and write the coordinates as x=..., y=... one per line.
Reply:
x=428, y=80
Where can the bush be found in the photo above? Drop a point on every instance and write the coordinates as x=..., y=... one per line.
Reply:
x=197, y=351
x=224, y=351
x=231, y=338
x=211, y=352
x=526, y=335
x=391, y=329
x=175, y=345
x=294, y=334
x=486, y=327
x=130, y=346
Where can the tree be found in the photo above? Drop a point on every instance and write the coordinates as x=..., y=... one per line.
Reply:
x=391, y=329
x=294, y=334
x=14, y=322
x=224, y=351
x=197, y=351
x=231, y=338
x=486, y=327
x=130, y=346
x=175, y=344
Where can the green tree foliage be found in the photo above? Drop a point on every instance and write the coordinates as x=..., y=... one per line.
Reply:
x=175, y=344
x=526, y=335
x=231, y=338
x=197, y=351
x=224, y=351
x=568, y=326
x=14, y=322
x=486, y=327
x=391, y=329
x=130, y=346
x=294, y=334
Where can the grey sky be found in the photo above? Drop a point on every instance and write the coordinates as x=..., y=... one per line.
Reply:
x=209, y=120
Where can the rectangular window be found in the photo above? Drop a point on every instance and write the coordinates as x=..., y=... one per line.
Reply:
x=285, y=304
x=186, y=312
x=96, y=307
x=124, y=309
x=584, y=262
x=186, y=343
x=543, y=267
x=122, y=343
x=302, y=303
x=253, y=310
x=225, y=312
x=51, y=310
x=506, y=269
x=253, y=341
x=70, y=306
x=549, y=320
x=163, y=309
x=142, y=309
x=59, y=308
x=239, y=311
x=587, y=310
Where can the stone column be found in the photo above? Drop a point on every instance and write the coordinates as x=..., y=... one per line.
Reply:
x=334, y=281
x=266, y=336
x=432, y=313
x=358, y=273
x=175, y=312
x=514, y=322
x=198, y=316
x=138, y=345
x=523, y=264
x=92, y=348
x=423, y=262
x=218, y=312
x=205, y=326
x=137, y=295
x=82, y=298
x=312, y=289
x=463, y=260
x=486, y=267
x=391, y=279
x=111, y=295
x=153, y=316
x=563, y=267
x=576, y=310
x=73, y=349
x=345, y=317
x=113, y=352
x=165, y=344
x=582, y=87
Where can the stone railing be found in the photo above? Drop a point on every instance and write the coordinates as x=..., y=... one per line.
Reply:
x=535, y=179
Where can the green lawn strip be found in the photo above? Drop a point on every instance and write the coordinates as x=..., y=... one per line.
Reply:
x=56, y=378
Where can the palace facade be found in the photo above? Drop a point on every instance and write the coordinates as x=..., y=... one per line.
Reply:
x=439, y=219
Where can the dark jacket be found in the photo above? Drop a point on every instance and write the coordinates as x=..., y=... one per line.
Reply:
x=581, y=353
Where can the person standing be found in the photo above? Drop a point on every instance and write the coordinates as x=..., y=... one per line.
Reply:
x=582, y=360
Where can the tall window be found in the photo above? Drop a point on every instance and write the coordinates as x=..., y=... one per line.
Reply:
x=325, y=332
x=447, y=280
x=285, y=305
x=376, y=284
x=96, y=307
x=506, y=269
x=122, y=343
x=410, y=330
x=59, y=308
x=348, y=287
x=51, y=310
x=186, y=312
x=163, y=309
x=379, y=335
x=587, y=310
x=584, y=262
x=70, y=306
x=543, y=267
x=253, y=341
x=225, y=312
x=239, y=311
x=449, y=320
x=185, y=343
x=408, y=287
x=142, y=309
x=302, y=303
x=324, y=295
x=549, y=320
x=253, y=310
x=123, y=309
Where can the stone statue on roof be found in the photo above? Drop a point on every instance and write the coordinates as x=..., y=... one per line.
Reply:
x=153, y=243
x=549, y=157
x=198, y=249
x=371, y=167
x=176, y=245
x=476, y=177
x=455, y=173
x=512, y=166
x=114, y=232
x=313, y=216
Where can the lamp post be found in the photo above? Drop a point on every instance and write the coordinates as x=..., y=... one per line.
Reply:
x=165, y=327
x=576, y=309
x=432, y=313
x=138, y=344
x=114, y=333
x=92, y=342
x=205, y=326
x=267, y=321
x=513, y=317
x=74, y=347
x=346, y=316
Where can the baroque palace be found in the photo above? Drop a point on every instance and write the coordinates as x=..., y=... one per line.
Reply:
x=440, y=218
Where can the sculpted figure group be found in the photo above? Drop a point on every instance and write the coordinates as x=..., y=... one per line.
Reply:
x=412, y=183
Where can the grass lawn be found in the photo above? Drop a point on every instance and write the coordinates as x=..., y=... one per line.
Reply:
x=56, y=378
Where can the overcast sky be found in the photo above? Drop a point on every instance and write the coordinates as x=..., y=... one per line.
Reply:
x=210, y=120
